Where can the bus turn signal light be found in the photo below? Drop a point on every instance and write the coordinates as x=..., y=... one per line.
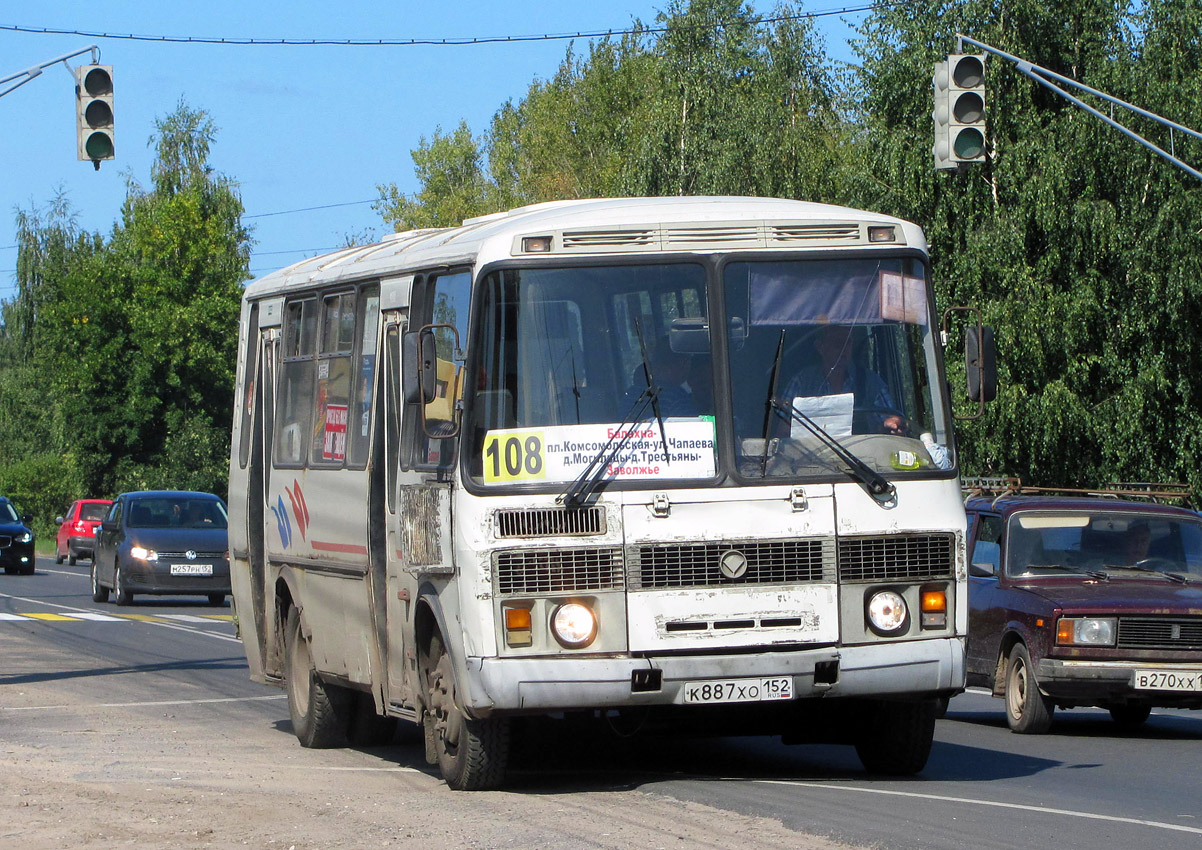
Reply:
x=518, y=630
x=934, y=609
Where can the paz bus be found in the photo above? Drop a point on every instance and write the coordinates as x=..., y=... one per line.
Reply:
x=688, y=460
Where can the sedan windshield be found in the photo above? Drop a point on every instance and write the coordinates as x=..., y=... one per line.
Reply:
x=1123, y=545
x=171, y=512
x=7, y=514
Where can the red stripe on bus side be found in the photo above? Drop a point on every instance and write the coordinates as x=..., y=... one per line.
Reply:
x=349, y=548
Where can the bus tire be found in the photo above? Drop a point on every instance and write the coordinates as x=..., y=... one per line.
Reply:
x=896, y=737
x=471, y=754
x=318, y=710
x=1028, y=712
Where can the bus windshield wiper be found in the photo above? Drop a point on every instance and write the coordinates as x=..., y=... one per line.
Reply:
x=585, y=484
x=872, y=481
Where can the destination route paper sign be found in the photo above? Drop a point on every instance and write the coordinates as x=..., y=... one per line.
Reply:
x=560, y=453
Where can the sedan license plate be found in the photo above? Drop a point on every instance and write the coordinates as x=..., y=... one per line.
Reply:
x=739, y=690
x=191, y=569
x=1168, y=680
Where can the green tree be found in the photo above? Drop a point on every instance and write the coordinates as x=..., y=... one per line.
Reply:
x=453, y=184
x=1075, y=241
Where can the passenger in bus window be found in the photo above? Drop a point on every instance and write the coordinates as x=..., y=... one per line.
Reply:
x=671, y=372
x=834, y=371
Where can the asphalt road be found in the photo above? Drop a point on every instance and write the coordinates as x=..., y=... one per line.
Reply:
x=1081, y=786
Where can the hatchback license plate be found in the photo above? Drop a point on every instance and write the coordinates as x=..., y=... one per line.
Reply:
x=191, y=569
x=1168, y=680
x=739, y=690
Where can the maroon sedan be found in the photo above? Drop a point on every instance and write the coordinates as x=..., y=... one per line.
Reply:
x=1084, y=601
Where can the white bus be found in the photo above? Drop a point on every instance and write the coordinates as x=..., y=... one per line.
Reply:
x=687, y=459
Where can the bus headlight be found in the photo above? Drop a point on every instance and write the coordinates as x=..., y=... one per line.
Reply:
x=1085, y=631
x=887, y=612
x=574, y=625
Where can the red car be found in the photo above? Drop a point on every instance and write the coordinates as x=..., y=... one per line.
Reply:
x=76, y=536
x=1084, y=601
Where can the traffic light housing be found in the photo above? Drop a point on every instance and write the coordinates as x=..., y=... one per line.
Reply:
x=94, y=113
x=959, y=85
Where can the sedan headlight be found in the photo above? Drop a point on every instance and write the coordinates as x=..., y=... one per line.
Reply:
x=27, y=537
x=574, y=625
x=1086, y=631
x=887, y=613
x=143, y=554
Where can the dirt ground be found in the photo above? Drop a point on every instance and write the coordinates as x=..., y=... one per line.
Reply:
x=229, y=774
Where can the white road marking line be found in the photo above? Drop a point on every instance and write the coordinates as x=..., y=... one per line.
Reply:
x=12, y=617
x=184, y=618
x=100, y=618
x=155, y=704
x=77, y=611
x=973, y=802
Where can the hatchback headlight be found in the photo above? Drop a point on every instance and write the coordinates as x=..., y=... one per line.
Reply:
x=143, y=554
x=887, y=613
x=1086, y=631
x=27, y=537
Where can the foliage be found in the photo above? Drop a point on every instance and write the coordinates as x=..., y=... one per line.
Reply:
x=117, y=354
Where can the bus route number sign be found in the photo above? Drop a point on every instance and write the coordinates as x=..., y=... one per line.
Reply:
x=514, y=456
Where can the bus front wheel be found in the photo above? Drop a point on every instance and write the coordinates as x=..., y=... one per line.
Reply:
x=471, y=754
x=318, y=710
x=895, y=738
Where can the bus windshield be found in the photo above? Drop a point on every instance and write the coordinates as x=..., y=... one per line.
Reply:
x=574, y=364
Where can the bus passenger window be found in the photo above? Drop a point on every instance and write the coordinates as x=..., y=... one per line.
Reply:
x=332, y=402
x=297, y=370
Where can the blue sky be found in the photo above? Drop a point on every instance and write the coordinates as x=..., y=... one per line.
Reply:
x=298, y=126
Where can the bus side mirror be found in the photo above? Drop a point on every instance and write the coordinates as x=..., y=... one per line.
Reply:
x=419, y=369
x=980, y=360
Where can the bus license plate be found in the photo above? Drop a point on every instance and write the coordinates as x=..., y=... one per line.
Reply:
x=191, y=569
x=739, y=690
x=1168, y=680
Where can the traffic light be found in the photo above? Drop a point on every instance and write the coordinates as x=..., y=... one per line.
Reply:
x=966, y=103
x=94, y=112
x=959, y=85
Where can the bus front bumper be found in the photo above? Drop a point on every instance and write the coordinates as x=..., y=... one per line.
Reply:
x=567, y=683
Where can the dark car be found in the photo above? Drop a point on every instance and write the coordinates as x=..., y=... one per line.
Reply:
x=1084, y=601
x=76, y=537
x=164, y=542
x=16, y=540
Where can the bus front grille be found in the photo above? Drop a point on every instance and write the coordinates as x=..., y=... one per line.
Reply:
x=896, y=556
x=550, y=522
x=738, y=562
x=529, y=571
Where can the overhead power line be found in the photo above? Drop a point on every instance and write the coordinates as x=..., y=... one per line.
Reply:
x=459, y=41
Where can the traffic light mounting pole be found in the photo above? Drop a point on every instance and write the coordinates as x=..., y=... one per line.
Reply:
x=29, y=73
x=1045, y=77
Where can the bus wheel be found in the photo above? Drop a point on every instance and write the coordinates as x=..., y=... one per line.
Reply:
x=895, y=738
x=318, y=710
x=471, y=754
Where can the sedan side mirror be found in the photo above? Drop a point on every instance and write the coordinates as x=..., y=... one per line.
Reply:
x=27, y=519
x=982, y=570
